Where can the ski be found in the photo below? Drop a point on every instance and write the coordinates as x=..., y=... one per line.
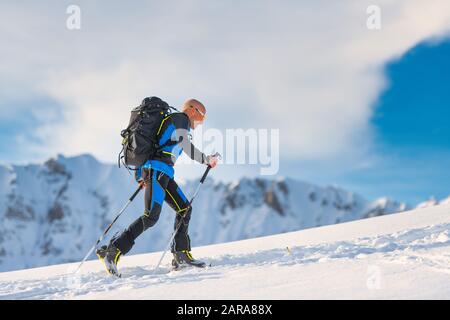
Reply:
x=182, y=267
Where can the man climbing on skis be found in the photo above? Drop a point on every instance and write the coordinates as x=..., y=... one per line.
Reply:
x=157, y=175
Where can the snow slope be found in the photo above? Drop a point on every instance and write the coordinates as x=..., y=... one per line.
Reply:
x=53, y=212
x=400, y=256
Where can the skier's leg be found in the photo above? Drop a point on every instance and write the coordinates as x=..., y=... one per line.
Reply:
x=181, y=246
x=178, y=201
x=154, y=197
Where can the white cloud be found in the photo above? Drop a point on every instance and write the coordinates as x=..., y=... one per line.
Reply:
x=312, y=68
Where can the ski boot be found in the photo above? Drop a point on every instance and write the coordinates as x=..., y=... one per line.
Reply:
x=184, y=258
x=110, y=256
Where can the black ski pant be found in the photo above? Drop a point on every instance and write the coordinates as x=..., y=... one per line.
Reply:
x=160, y=188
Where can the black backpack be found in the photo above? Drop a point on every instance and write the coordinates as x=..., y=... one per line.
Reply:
x=140, y=141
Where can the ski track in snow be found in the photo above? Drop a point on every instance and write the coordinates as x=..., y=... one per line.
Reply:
x=405, y=247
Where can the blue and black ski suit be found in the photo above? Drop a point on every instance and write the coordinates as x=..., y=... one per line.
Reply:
x=158, y=173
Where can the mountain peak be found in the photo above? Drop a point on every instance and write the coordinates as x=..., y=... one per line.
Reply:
x=84, y=157
x=429, y=203
x=446, y=201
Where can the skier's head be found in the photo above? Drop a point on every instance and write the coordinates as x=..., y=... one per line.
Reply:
x=196, y=112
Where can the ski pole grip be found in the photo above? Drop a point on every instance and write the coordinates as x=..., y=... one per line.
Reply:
x=205, y=174
x=136, y=192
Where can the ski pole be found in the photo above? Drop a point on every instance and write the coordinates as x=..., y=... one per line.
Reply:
x=181, y=220
x=110, y=225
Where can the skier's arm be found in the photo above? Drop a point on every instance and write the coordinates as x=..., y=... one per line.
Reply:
x=188, y=147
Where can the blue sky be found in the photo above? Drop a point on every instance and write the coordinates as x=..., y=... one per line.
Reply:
x=412, y=120
x=365, y=110
x=412, y=132
x=415, y=110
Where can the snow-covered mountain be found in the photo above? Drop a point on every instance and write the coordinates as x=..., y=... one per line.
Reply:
x=399, y=256
x=54, y=212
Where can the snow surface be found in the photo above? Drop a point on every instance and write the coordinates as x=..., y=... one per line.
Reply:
x=400, y=256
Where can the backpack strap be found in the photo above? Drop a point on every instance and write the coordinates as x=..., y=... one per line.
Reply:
x=169, y=142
